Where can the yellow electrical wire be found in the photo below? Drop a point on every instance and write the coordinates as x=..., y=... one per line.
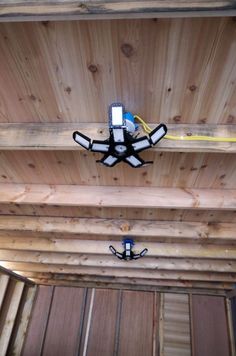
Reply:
x=148, y=129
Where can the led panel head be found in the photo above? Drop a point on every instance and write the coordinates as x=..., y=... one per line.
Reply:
x=156, y=134
x=116, y=115
x=82, y=140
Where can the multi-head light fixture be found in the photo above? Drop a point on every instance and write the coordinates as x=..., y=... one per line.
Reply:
x=123, y=144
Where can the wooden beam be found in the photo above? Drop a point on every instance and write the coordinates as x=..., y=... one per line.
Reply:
x=124, y=280
x=102, y=261
x=179, y=287
x=59, y=137
x=155, y=249
x=97, y=281
x=128, y=197
x=11, y=313
x=118, y=227
x=83, y=9
x=4, y=279
x=23, y=317
x=19, y=267
x=113, y=280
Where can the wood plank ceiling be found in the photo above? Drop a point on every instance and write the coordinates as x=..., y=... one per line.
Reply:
x=60, y=209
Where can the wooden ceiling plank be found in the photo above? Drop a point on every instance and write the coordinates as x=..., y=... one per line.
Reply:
x=129, y=197
x=102, y=261
x=118, y=227
x=84, y=9
x=188, y=250
x=49, y=136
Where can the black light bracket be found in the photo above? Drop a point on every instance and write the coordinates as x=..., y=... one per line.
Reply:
x=123, y=144
x=128, y=254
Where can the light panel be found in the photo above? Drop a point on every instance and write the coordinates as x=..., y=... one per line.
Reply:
x=157, y=134
x=110, y=160
x=134, y=161
x=82, y=140
x=117, y=115
x=99, y=147
x=141, y=145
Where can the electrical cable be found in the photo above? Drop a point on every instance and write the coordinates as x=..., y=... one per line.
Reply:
x=148, y=129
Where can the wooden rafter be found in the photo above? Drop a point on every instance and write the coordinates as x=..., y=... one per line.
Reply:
x=156, y=249
x=102, y=261
x=129, y=197
x=84, y=9
x=59, y=137
x=202, y=231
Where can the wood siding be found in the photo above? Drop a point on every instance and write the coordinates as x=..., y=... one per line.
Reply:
x=101, y=322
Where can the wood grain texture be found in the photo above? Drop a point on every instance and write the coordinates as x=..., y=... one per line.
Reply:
x=42, y=136
x=66, y=313
x=211, y=216
x=118, y=227
x=87, y=260
x=130, y=197
x=136, y=326
x=189, y=170
x=209, y=326
x=38, y=323
x=102, y=247
x=186, y=83
x=116, y=273
x=75, y=10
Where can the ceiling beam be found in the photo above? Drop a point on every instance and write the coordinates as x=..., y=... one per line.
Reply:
x=83, y=9
x=128, y=197
x=59, y=137
x=118, y=227
x=19, y=267
x=103, y=261
x=155, y=249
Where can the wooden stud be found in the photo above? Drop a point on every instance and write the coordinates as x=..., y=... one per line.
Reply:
x=19, y=332
x=11, y=314
x=4, y=279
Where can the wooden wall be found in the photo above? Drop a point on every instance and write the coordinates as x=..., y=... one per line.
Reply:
x=101, y=322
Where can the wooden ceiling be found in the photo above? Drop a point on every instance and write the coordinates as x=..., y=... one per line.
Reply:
x=59, y=209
